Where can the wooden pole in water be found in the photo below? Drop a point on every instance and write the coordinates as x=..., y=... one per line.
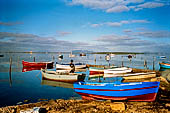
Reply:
x=122, y=61
x=95, y=60
x=145, y=64
x=53, y=58
x=10, y=71
x=34, y=59
x=153, y=63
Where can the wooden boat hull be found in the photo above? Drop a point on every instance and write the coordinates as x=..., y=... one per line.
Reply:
x=38, y=64
x=139, y=76
x=137, y=91
x=96, y=71
x=52, y=75
x=164, y=65
x=67, y=66
x=132, y=75
x=117, y=70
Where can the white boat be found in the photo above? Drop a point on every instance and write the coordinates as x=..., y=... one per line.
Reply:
x=117, y=70
x=67, y=66
x=112, y=55
x=62, y=77
x=132, y=76
x=71, y=55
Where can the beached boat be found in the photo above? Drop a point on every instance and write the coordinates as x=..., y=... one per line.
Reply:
x=96, y=71
x=135, y=91
x=56, y=84
x=165, y=65
x=135, y=76
x=38, y=64
x=25, y=69
x=62, y=77
x=109, y=70
x=67, y=66
x=132, y=75
x=117, y=70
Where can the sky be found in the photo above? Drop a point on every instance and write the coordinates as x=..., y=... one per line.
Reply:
x=94, y=25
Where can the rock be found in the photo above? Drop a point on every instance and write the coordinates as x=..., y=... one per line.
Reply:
x=19, y=103
x=26, y=100
x=117, y=106
x=168, y=77
x=163, y=88
x=167, y=105
x=164, y=80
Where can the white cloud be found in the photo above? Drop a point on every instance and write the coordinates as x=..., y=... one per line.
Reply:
x=139, y=21
x=150, y=5
x=153, y=34
x=117, y=6
x=118, y=24
x=117, y=9
x=63, y=33
x=114, y=24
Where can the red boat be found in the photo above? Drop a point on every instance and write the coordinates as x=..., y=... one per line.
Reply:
x=38, y=64
x=25, y=69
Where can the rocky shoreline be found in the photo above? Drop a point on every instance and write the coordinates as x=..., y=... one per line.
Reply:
x=160, y=105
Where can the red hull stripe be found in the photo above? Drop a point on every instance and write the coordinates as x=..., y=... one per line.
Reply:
x=146, y=97
x=116, y=90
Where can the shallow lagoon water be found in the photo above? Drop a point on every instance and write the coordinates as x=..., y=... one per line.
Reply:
x=20, y=86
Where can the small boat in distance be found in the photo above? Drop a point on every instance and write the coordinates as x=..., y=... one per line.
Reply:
x=1, y=55
x=162, y=57
x=134, y=91
x=60, y=56
x=71, y=55
x=38, y=64
x=165, y=65
x=112, y=55
x=82, y=54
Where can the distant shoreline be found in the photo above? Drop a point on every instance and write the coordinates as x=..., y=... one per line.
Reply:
x=78, y=52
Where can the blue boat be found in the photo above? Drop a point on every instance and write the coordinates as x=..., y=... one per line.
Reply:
x=135, y=91
x=165, y=65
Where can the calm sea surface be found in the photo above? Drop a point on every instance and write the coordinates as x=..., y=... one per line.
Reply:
x=20, y=87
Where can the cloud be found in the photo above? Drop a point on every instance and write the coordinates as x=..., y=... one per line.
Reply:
x=127, y=30
x=96, y=25
x=118, y=9
x=150, y=5
x=30, y=42
x=114, y=38
x=117, y=6
x=128, y=43
x=10, y=23
x=118, y=24
x=63, y=33
x=153, y=34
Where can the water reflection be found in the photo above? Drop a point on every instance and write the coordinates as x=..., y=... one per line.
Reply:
x=56, y=84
